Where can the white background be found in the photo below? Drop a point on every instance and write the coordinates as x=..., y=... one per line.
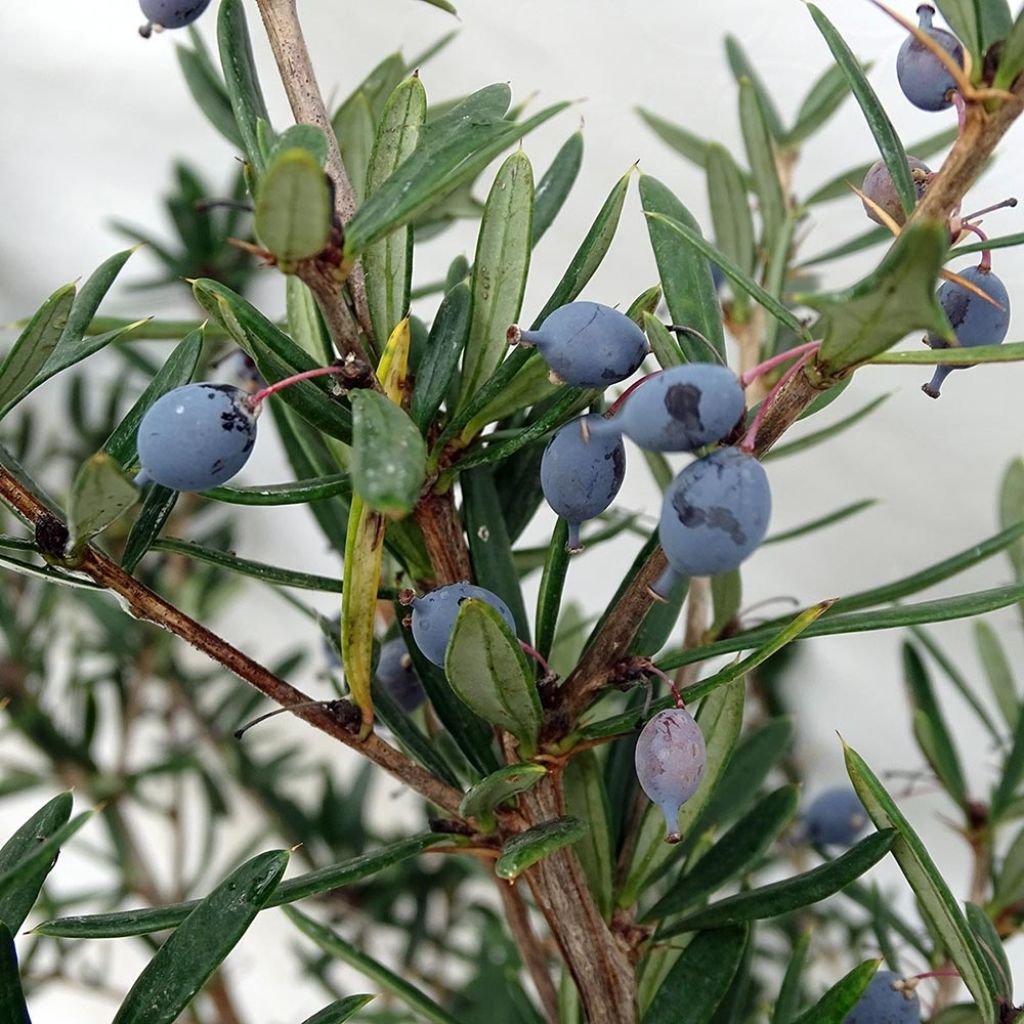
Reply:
x=92, y=117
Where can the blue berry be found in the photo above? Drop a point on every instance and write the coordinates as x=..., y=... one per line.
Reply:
x=883, y=1003
x=878, y=187
x=679, y=409
x=587, y=345
x=396, y=674
x=433, y=616
x=581, y=475
x=835, y=818
x=196, y=436
x=670, y=758
x=974, y=321
x=170, y=13
x=922, y=77
x=714, y=515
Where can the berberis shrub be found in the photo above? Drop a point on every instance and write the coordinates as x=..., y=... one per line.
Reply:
x=424, y=428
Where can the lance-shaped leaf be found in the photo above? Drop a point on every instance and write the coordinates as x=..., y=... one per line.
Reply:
x=293, y=208
x=525, y=849
x=896, y=298
x=761, y=154
x=587, y=799
x=297, y=492
x=998, y=671
x=888, y=141
x=207, y=88
x=12, y=1000
x=184, y=963
x=823, y=99
x=700, y=978
x=799, y=891
x=34, y=345
x=240, y=78
x=354, y=128
x=842, y=997
x=25, y=866
x=101, y=492
x=448, y=334
x=452, y=149
x=156, y=510
x=1012, y=773
x=389, y=455
x=177, y=370
x=489, y=672
x=684, y=270
x=499, y=786
x=334, y=945
x=555, y=185
x=499, y=270
x=340, y=1010
x=388, y=263
x=991, y=944
x=937, y=902
x=788, y=1001
x=1011, y=60
x=1011, y=515
x=730, y=211
x=15, y=905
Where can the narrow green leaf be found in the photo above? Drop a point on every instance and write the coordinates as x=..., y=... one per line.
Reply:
x=1011, y=515
x=810, y=440
x=178, y=369
x=801, y=890
x=777, y=273
x=700, y=978
x=1012, y=773
x=156, y=510
x=489, y=672
x=884, y=307
x=88, y=300
x=681, y=139
x=388, y=263
x=991, y=944
x=592, y=250
x=937, y=901
x=733, y=273
x=101, y=492
x=823, y=99
x=525, y=849
x=888, y=141
x=743, y=68
x=837, y=187
x=247, y=567
x=18, y=901
x=587, y=800
x=552, y=584
x=388, y=453
x=24, y=868
x=34, y=345
x=298, y=492
x=240, y=78
x=443, y=5
x=340, y=1011
x=293, y=208
x=865, y=240
x=962, y=18
x=184, y=963
x=664, y=344
x=1011, y=61
x=1009, y=881
x=733, y=856
x=1000, y=242
x=499, y=270
x=978, y=355
x=683, y=268
x=334, y=945
x=998, y=671
x=314, y=883
x=820, y=523
x=276, y=357
x=930, y=727
x=760, y=153
x=555, y=184
x=787, y=1004
x=12, y=1000
x=529, y=387
x=448, y=335
x=305, y=325
x=208, y=91
x=500, y=786
x=842, y=997
x=730, y=209
x=354, y=129
x=726, y=599
x=451, y=151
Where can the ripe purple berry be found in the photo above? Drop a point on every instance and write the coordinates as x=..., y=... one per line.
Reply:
x=974, y=320
x=434, y=614
x=923, y=78
x=714, y=515
x=878, y=187
x=580, y=473
x=670, y=758
x=885, y=1003
x=587, y=345
x=196, y=436
x=679, y=409
x=396, y=674
x=163, y=14
x=835, y=818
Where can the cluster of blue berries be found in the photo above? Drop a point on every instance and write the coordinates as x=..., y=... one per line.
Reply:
x=161, y=14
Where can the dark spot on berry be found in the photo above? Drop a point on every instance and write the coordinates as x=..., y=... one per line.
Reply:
x=682, y=402
x=714, y=518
